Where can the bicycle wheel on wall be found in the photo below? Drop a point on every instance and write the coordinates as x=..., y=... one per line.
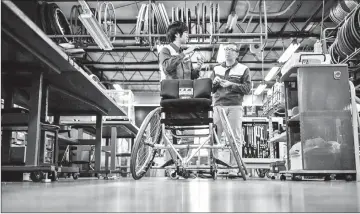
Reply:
x=143, y=153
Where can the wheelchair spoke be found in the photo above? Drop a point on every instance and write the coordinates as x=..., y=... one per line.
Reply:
x=148, y=135
x=142, y=158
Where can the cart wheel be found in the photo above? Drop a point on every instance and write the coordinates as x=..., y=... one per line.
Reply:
x=75, y=176
x=174, y=175
x=282, y=178
x=349, y=178
x=272, y=177
x=268, y=175
x=37, y=176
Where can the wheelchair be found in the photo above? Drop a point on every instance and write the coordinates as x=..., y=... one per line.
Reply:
x=186, y=106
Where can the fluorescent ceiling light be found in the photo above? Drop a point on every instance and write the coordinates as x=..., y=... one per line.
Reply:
x=289, y=52
x=271, y=73
x=260, y=89
x=94, y=28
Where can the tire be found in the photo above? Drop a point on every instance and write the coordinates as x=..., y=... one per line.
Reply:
x=236, y=151
x=150, y=124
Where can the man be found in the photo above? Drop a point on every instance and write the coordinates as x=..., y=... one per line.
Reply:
x=175, y=63
x=231, y=81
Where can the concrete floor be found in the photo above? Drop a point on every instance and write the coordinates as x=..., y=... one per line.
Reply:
x=198, y=195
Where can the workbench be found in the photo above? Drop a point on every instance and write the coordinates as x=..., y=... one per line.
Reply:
x=38, y=75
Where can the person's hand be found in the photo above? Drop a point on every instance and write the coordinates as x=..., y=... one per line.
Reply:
x=225, y=83
x=200, y=62
x=216, y=80
x=190, y=50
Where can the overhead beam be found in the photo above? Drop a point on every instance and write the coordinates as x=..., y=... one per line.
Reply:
x=147, y=69
x=156, y=62
x=224, y=20
x=147, y=48
x=147, y=82
x=271, y=35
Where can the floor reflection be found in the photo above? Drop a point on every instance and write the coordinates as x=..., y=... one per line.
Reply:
x=164, y=195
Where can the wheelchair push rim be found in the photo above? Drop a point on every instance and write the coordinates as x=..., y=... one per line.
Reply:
x=143, y=153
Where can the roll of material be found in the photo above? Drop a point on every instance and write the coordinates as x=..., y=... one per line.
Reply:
x=342, y=9
x=347, y=39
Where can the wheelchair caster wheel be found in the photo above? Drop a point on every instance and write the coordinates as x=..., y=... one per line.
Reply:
x=282, y=178
x=174, y=175
x=37, y=176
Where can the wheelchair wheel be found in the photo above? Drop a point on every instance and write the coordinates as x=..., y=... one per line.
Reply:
x=143, y=153
x=234, y=148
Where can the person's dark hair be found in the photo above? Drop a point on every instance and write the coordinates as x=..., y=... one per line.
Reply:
x=175, y=28
x=236, y=45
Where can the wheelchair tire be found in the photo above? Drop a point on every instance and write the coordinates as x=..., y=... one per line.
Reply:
x=153, y=118
x=234, y=148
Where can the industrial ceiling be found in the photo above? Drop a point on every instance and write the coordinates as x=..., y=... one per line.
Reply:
x=135, y=66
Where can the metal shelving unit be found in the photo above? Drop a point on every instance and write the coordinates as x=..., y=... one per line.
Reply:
x=319, y=119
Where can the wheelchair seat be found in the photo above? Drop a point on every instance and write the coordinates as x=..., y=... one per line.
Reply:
x=186, y=102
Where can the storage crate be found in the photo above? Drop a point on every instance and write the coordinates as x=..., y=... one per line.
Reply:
x=124, y=99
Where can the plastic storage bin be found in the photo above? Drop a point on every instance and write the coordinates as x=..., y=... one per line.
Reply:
x=125, y=101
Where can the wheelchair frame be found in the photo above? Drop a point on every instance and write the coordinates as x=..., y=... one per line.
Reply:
x=182, y=164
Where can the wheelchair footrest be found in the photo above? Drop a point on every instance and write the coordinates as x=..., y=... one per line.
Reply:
x=167, y=163
x=220, y=162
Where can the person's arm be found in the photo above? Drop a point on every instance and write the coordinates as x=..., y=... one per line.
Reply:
x=195, y=72
x=169, y=62
x=244, y=87
x=216, y=85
